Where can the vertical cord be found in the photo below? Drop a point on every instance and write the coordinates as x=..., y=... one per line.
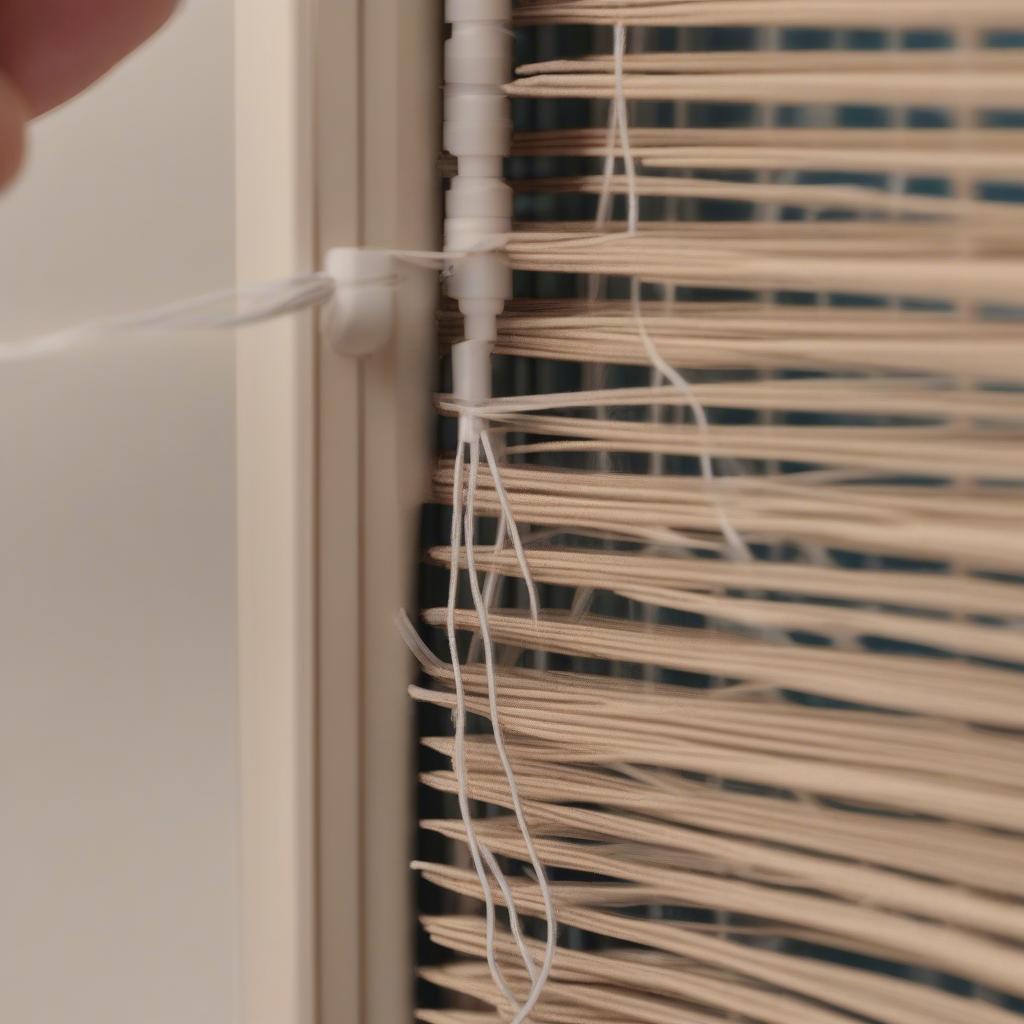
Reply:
x=507, y=529
x=482, y=602
x=508, y=524
x=593, y=373
x=459, y=753
x=736, y=543
x=499, y=742
x=622, y=119
x=479, y=851
x=490, y=588
x=431, y=663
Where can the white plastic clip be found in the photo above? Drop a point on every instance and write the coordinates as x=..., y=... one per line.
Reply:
x=360, y=319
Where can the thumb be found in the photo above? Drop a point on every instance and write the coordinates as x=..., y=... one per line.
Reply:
x=13, y=117
x=52, y=49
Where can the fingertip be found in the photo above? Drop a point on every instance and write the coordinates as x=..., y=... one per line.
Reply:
x=52, y=49
x=162, y=12
x=14, y=115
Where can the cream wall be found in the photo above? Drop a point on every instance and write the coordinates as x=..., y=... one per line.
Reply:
x=118, y=843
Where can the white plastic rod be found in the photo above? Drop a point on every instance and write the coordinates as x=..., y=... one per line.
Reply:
x=478, y=132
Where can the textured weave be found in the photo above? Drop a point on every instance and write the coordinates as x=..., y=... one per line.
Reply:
x=779, y=785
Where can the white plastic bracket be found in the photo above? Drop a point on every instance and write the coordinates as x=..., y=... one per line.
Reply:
x=360, y=319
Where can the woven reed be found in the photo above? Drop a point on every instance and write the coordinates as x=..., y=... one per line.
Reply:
x=787, y=789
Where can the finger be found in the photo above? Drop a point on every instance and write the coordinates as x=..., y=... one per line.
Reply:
x=52, y=49
x=13, y=115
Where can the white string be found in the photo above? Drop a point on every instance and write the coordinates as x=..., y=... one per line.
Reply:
x=477, y=848
x=490, y=588
x=232, y=307
x=509, y=520
x=736, y=543
x=459, y=753
x=506, y=527
x=593, y=374
x=215, y=311
x=479, y=439
x=495, y=868
x=499, y=743
x=483, y=603
x=622, y=118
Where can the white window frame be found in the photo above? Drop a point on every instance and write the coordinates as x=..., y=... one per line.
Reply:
x=337, y=142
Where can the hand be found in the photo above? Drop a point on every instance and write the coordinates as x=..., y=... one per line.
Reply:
x=52, y=49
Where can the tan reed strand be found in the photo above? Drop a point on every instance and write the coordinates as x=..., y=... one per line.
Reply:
x=888, y=999
x=844, y=14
